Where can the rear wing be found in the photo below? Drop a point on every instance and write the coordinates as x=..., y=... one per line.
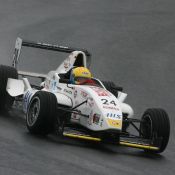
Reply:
x=20, y=43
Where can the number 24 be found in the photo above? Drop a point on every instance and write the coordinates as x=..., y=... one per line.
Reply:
x=107, y=102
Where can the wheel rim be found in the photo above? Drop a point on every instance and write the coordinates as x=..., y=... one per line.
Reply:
x=33, y=111
x=146, y=127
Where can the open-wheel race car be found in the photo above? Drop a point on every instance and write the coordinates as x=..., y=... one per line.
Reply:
x=85, y=108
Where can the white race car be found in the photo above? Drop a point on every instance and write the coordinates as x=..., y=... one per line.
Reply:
x=95, y=112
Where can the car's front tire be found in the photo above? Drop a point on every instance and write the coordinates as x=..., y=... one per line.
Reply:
x=155, y=126
x=41, y=113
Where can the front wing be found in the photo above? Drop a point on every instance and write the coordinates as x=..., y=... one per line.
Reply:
x=131, y=142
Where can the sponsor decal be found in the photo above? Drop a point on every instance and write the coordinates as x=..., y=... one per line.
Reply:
x=26, y=99
x=90, y=119
x=100, y=91
x=59, y=88
x=75, y=93
x=76, y=116
x=114, y=116
x=67, y=63
x=111, y=108
x=96, y=118
x=84, y=94
x=115, y=123
x=101, y=122
x=90, y=102
x=85, y=73
x=53, y=85
x=68, y=91
x=52, y=45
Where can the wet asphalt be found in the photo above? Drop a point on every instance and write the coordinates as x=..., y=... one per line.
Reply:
x=132, y=43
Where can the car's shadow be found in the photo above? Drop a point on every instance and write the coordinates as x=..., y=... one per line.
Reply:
x=104, y=148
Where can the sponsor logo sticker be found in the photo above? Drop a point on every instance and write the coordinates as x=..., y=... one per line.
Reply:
x=67, y=63
x=26, y=99
x=114, y=116
x=111, y=108
x=101, y=92
x=115, y=123
x=75, y=94
x=84, y=94
x=67, y=91
x=90, y=102
x=96, y=118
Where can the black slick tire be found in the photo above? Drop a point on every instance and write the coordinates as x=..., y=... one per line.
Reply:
x=155, y=125
x=41, y=113
x=6, y=101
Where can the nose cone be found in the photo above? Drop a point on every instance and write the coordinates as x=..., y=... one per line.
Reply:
x=102, y=107
x=109, y=107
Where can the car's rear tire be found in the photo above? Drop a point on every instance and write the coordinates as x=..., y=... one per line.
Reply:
x=111, y=87
x=155, y=126
x=6, y=101
x=41, y=113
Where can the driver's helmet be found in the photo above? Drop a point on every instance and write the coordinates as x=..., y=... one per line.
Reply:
x=80, y=75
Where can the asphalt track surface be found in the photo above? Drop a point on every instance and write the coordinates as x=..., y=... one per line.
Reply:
x=132, y=42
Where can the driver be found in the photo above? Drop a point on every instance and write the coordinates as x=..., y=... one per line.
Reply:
x=81, y=75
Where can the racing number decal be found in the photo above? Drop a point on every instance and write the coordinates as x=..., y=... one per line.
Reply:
x=107, y=102
x=113, y=103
